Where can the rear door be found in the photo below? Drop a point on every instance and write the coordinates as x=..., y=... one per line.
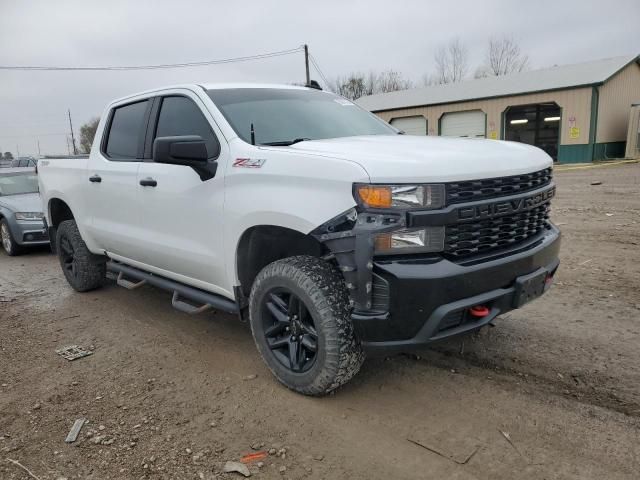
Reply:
x=182, y=214
x=112, y=175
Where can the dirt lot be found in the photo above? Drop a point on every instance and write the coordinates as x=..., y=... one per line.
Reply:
x=552, y=392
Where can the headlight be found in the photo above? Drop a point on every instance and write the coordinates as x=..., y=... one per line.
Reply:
x=29, y=216
x=400, y=196
x=415, y=240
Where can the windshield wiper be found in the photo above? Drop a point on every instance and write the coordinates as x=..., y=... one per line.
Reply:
x=285, y=143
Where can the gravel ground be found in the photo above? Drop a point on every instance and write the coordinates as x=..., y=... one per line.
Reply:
x=551, y=392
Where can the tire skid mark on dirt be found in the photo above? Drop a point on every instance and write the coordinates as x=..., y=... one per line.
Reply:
x=587, y=393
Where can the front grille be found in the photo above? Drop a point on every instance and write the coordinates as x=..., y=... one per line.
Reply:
x=470, y=191
x=493, y=234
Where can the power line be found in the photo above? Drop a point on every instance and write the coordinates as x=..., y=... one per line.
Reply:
x=315, y=64
x=35, y=135
x=159, y=66
x=30, y=125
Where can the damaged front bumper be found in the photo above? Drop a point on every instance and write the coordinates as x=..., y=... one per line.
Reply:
x=402, y=302
x=430, y=299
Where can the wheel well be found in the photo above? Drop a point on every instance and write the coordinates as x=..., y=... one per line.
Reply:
x=59, y=212
x=263, y=244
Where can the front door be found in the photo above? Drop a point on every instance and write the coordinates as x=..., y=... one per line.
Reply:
x=182, y=214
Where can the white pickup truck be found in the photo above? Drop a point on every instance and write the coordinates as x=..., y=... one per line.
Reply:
x=329, y=230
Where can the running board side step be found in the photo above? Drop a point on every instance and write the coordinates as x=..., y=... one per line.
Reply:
x=206, y=300
x=123, y=282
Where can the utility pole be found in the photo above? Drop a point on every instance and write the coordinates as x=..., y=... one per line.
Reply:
x=39, y=154
x=306, y=62
x=73, y=139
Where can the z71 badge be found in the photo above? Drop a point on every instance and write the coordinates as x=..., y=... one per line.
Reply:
x=249, y=162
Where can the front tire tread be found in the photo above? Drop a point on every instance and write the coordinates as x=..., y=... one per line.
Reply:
x=325, y=289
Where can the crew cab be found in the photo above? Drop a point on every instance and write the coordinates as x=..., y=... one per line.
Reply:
x=330, y=231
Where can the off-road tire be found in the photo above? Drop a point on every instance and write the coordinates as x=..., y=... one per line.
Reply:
x=88, y=271
x=321, y=287
x=12, y=248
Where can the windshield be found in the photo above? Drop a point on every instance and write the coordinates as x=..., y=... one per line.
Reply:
x=18, y=183
x=283, y=116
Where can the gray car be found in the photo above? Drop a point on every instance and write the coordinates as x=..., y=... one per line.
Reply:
x=21, y=219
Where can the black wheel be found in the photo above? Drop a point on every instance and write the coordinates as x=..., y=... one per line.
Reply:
x=8, y=243
x=83, y=270
x=300, y=320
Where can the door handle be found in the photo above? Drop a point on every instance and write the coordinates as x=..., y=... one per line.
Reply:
x=148, y=182
x=95, y=178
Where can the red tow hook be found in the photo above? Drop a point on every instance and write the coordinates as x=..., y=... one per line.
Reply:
x=479, y=311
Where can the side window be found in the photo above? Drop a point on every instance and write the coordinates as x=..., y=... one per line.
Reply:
x=125, y=131
x=181, y=116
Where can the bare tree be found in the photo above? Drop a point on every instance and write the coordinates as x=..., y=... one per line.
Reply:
x=353, y=86
x=452, y=63
x=87, y=132
x=371, y=83
x=505, y=56
x=482, y=72
x=392, y=81
x=356, y=85
x=426, y=80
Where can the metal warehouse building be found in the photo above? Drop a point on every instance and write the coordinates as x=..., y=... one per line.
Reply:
x=576, y=113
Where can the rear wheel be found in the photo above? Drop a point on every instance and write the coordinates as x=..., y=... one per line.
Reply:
x=8, y=243
x=300, y=320
x=83, y=270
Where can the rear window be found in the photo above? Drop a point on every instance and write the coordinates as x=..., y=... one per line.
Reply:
x=125, y=131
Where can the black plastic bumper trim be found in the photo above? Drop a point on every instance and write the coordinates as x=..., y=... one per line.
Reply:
x=429, y=332
x=424, y=295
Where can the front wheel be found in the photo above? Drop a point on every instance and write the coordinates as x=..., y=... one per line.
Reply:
x=8, y=243
x=300, y=320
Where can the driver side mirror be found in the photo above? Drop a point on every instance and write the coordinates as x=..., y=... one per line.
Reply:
x=188, y=150
x=180, y=150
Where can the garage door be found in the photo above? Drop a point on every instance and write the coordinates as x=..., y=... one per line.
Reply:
x=463, y=124
x=411, y=125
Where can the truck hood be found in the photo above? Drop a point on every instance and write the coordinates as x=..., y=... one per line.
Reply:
x=27, y=202
x=405, y=158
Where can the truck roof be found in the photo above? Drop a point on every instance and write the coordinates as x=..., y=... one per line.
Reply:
x=217, y=86
x=213, y=86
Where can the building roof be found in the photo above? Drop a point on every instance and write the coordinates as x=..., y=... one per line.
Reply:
x=553, y=78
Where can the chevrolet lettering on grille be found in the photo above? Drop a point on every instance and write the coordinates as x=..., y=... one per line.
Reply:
x=507, y=207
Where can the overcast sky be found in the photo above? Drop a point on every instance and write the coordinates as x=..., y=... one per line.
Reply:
x=343, y=36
